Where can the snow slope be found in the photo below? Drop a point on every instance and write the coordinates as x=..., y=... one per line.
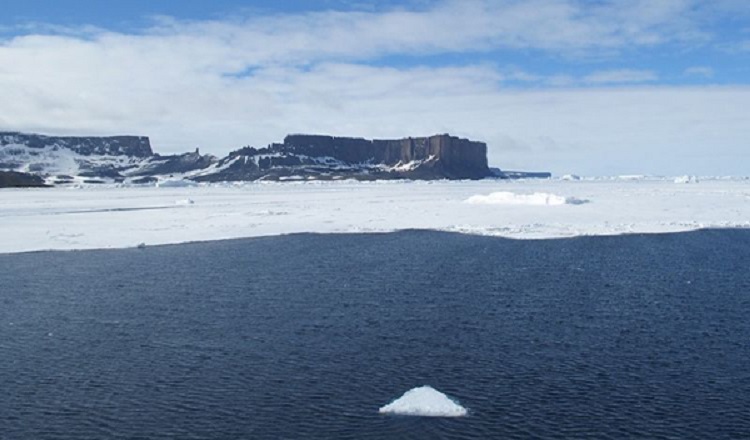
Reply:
x=114, y=217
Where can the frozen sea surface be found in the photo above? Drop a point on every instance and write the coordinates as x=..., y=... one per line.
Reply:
x=309, y=336
x=107, y=217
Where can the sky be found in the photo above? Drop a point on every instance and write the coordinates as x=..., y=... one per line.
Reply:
x=589, y=87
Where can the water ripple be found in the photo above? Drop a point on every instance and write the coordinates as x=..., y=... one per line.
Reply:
x=308, y=336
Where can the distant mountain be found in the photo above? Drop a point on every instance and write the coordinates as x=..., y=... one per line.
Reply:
x=327, y=158
x=130, y=159
x=67, y=160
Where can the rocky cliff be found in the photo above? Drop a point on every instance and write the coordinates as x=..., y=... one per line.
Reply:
x=129, y=159
x=326, y=157
x=12, y=179
x=132, y=146
x=452, y=157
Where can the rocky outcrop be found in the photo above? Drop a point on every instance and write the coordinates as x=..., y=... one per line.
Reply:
x=130, y=160
x=450, y=156
x=12, y=179
x=327, y=157
x=174, y=164
x=132, y=146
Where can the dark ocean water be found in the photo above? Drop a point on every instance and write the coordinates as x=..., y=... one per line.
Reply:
x=306, y=336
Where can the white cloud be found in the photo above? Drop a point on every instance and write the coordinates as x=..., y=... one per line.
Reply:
x=224, y=84
x=620, y=76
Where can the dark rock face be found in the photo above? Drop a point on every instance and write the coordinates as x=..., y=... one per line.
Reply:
x=453, y=157
x=133, y=146
x=327, y=157
x=12, y=179
x=180, y=163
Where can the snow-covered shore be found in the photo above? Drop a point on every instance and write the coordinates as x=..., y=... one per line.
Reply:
x=117, y=217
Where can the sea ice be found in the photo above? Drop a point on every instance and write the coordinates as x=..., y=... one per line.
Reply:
x=426, y=402
x=536, y=199
x=112, y=216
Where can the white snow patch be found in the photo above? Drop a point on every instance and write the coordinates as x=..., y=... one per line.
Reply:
x=412, y=165
x=631, y=177
x=426, y=402
x=535, y=199
x=176, y=183
x=686, y=179
x=184, y=202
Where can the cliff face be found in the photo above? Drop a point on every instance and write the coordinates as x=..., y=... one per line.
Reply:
x=449, y=156
x=129, y=159
x=132, y=146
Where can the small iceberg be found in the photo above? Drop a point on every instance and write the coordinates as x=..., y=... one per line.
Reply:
x=425, y=402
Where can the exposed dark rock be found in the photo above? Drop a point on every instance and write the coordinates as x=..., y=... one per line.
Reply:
x=453, y=158
x=102, y=172
x=13, y=179
x=145, y=180
x=179, y=163
x=328, y=157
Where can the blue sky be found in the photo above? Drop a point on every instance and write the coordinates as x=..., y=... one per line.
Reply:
x=586, y=86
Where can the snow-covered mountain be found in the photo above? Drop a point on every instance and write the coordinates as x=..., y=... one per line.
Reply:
x=66, y=160
x=130, y=159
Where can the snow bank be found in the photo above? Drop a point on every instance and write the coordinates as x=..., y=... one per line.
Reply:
x=536, y=199
x=426, y=402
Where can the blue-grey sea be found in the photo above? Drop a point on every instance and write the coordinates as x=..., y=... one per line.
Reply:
x=307, y=336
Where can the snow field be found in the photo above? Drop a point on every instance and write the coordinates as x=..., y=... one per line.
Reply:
x=119, y=217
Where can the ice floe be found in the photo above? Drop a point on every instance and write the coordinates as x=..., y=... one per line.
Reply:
x=424, y=401
x=535, y=199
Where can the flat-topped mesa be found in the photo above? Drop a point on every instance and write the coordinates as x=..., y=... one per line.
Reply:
x=440, y=155
x=129, y=159
x=132, y=146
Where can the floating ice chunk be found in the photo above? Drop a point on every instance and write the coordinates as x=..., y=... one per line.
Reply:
x=686, y=179
x=426, y=402
x=536, y=199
